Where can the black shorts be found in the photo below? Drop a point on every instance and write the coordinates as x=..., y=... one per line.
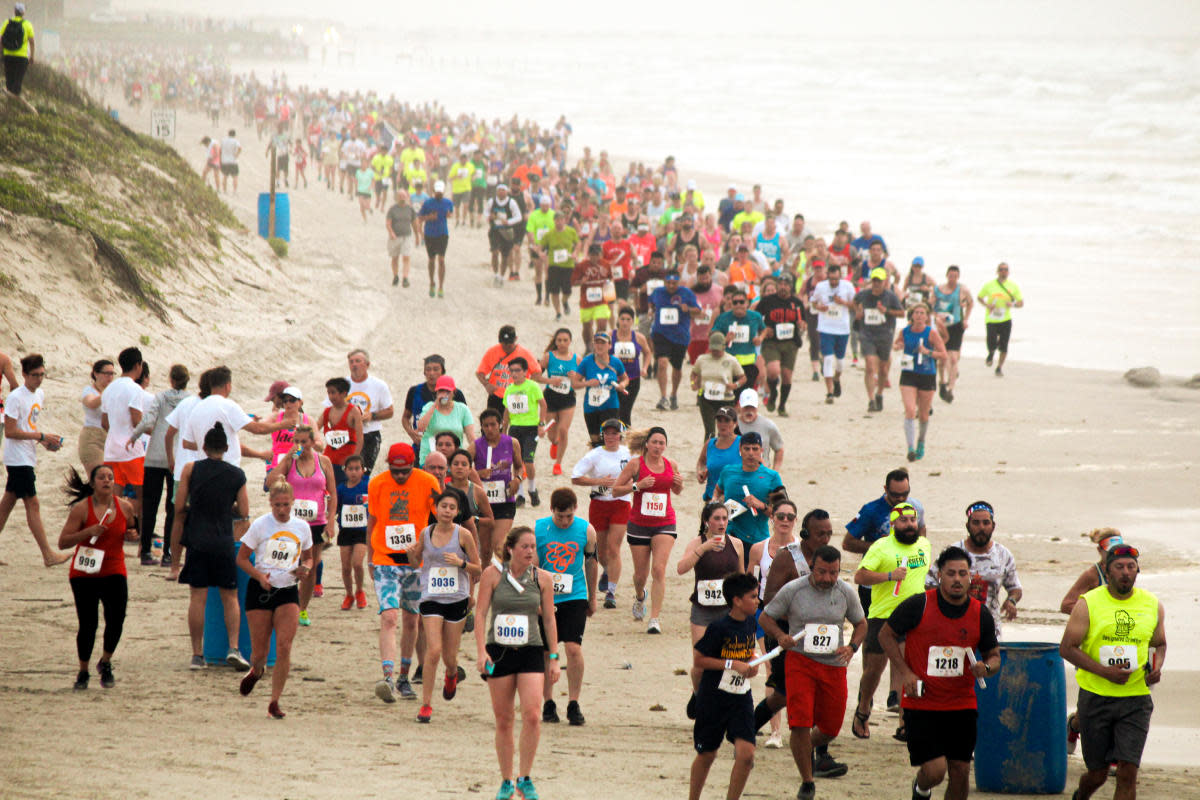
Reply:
x=318, y=534
x=570, y=617
x=514, y=660
x=496, y=403
x=998, y=334
x=871, y=643
x=436, y=245
x=281, y=162
x=1113, y=728
x=938, y=734
x=557, y=401
x=258, y=599
x=450, y=612
x=349, y=537
x=229, y=169
x=594, y=419
x=954, y=336
x=501, y=240
x=504, y=510
x=864, y=597
x=520, y=234
x=923, y=381
x=201, y=570
x=777, y=671
x=558, y=280
x=527, y=437
x=370, y=449
x=642, y=536
x=720, y=715
x=672, y=351
x=622, y=287
x=22, y=482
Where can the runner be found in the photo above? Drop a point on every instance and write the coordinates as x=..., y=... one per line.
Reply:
x=399, y=503
x=1117, y=640
x=1000, y=296
x=434, y=213
x=816, y=275
x=352, y=530
x=401, y=224
x=783, y=315
x=231, y=148
x=744, y=332
x=833, y=299
x=492, y=371
x=607, y=514
x=750, y=421
x=746, y=489
x=460, y=175
x=442, y=415
x=282, y=546
x=285, y=407
x=877, y=308
x=992, y=566
x=558, y=362
x=157, y=474
x=541, y=222
x=559, y=247
x=719, y=451
x=374, y=400
x=93, y=435
x=918, y=287
x=218, y=408
x=952, y=305
x=449, y=562
x=120, y=413
x=709, y=293
x=651, y=477
x=461, y=477
x=524, y=420
x=495, y=455
x=504, y=219
x=1093, y=576
x=633, y=350
x=711, y=557
x=594, y=276
x=816, y=608
x=673, y=307
x=511, y=651
x=341, y=428
x=605, y=381
x=420, y=394
x=941, y=628
x=725, y=706
x=97, y=531
x=923, y=349
x=566, y=544
x=716, y=378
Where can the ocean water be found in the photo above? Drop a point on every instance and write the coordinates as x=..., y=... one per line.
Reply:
x=1077, y=162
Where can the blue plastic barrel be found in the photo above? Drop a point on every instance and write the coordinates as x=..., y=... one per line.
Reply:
x=283, y=215
x=216, y=640
x=1022, y=735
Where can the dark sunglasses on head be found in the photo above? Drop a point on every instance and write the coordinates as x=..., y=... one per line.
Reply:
x=1123, y=551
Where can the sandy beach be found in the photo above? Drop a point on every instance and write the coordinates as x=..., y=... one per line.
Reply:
x=1058, y=451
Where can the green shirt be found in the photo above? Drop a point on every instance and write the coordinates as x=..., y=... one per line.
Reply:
x=994, y=294
x=884, y=556
x=522, y=404
x=23, y=50
x=560, y=246
x=540, y=223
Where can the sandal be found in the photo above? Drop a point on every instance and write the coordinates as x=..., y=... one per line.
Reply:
x=860, y=719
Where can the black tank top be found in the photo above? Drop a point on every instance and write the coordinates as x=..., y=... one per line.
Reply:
x=714, y=565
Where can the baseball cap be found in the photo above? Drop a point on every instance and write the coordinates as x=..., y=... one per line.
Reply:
x=601, y=335
x=739, y=196
x=725, y=413
x=752, y=438
x=643, y=226
x=439, y=186
x=508, y=334
x=732, y=187
x=918, y=262
x=544, y=200
x=444, y=384
x=716, y=339
x=879, y=273
x=292, y=391
x=19, y=9
x=276, y=389
x=691, y=185
x=401, y=455
x=612, y=423
x=748, y=397
x=902, y=510
x=672, y=275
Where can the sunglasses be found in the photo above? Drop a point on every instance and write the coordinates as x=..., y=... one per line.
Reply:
x=739, y=302
x=1123, y=551
x=786, y=517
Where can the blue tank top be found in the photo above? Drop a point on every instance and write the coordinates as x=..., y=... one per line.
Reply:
x=768, y=247
x=632, y=363
x=921, y=364
x=716, y=459
x=560, y=552
x=502, y=451
x=560, y=368
x=948, y=304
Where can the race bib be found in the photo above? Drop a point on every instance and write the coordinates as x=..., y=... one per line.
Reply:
x=706, y=315
x=400, y=537
x=560, y=385
x=714, y=390
x=946, y=662
x=834, y=312
x=907, y=362
x=654, y=504
x=443, y=581
x=739, y=334
x=305, y=510
x=734, y=508
x=354, y=516
x=559, y=255
x=598, y=395
x=282, y=553
x=493, y=180
x=668, y=316
x=336, y=439
x=594, y=294
x=626, y=351
x=387, y=182
x=585, y=229
x=733, y=683
x=820, y=639
x=710, y=593
x=873, y=316
x=497, y=492
x=564, y=582
x=651, y=285
x=517, y=403
x=540, y=233
x=946, y=317
x=785, y=331
x=88, y=560
x=998, y=313
x=511, y=630
x=1122, y=656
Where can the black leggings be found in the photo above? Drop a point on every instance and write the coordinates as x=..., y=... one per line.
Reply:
x=751, y=372
x=113, y=592
x=633, y=387
x=152, y=492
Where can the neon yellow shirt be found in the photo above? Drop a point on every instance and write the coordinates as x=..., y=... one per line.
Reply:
x=1002, y=302
x=884, y=556
x=540, y=223
x=460, y=177
x=753, y=217
x=410, y=154
x=1118, y=635
x=23, y=50
x=382, y=165
x=414, y=173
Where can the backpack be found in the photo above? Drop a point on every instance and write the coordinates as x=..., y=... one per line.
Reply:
x=13, y=37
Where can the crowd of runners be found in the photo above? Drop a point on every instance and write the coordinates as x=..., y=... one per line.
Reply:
x=427, y=508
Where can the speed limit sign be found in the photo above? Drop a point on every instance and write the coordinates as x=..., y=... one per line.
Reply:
x=162, y=124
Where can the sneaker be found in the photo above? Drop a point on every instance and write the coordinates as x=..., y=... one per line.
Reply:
x=395, y=280
x=549, y=712
x=197, y=663
x=610, y=599
x=469, y=622
x=441, y=294
x=662, y=405
x=871, y=406
x=837, y=387
x=603, y=584
x=920, y=450
x=347, y=602
x=360, y=599
x=674, y=403
x=912, y=455
x=783, y=411
x=520, y=501
x=506, y=790
x=106, y=674
x=774, y=741
x=1072, y=730
x=824, y=766
x=460, y=673
x=816, y=377
x=999, y=372
x=639, y=609
x=404, y=284
x=566, y=307
x=425, y=714
x=557, y=470
x=405, y=689
x=525, y=787
x=574, y=715
x=166, y=561
x=318, y=590
x=554, y=451
x=828, y=399
x=771, y=403
x=274, y=712
x=148, y=561
x=419, y=675
x=304, y=618
x=81, y=680
x=808, y=791
x=654, y=626
x=534, y=500
x=949, y=398
x=893, y=702
x=248, y=682
x=432, y=292
x=988, y=362
x=691, y=707
x=558, y=317
x=917, y=795
x=879, y=402
x=450, y=687
x=385, y=690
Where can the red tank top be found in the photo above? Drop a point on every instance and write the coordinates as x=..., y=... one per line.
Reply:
x=338, y=455
x=652, y=508
x=111, y=543
x=936, y=651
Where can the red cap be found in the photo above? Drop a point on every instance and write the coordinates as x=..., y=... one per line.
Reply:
x=444, y=384
x=401, y=454
x=276, y=388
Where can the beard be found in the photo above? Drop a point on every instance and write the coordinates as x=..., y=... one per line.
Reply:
x=980, y=539
x=907, y=537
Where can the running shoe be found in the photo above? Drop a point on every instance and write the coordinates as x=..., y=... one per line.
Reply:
x=304, y=618
x=603, y=584
x=557, y=470
x=405, y=689
x=774, y=741
x=920, y=450
x=808, y=791
x=553, y=451
x=514, y=277
x=534, y=499
x=419, y=675
x=469, y=623
x=525, y=787
x=639, y=609
x=610, y=599
x=988, y=362
x=828, y=399
x=879, y=402
x=395, y=280
x=566, y=307
x=248, y=682
x=450, y=687
x=824, y=766
x=432, y=291
x=854, y=361
x=234, y=659
x=916, y=795
x=662, y=405
x=783, y=411
x=385, y=690
x=506, y=791
x=106, y=674
x=893, y=702
x=460, y=673
x=654, y=626
x=871, y=406
x=558, y=317
x=1072, y=731
x=274, y=712
x=360, y=599
x=425, y=714
x=949, y=395
x=197, y=663
x=405, y=284
x=347, y=602
x=81, y=680
x=520, y=501
x=319, y=590
x=837, y=387
x=912, y=455
x=166, y=561
x=816, y=377
x=771, y=402
x=674, y=403
x=574, y=714
x=148, y=561
x=441, y=294
x=999, y=372
x=549, y=712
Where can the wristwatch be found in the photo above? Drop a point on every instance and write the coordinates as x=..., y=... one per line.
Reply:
x=729, y=663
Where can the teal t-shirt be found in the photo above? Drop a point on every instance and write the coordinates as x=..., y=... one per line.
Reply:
x=456, y=422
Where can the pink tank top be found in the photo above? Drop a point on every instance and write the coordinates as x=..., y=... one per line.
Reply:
x=309, y=494
x=652, y=508
x=281, y=440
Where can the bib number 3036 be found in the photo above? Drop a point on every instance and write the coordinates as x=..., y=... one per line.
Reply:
x=443, y=580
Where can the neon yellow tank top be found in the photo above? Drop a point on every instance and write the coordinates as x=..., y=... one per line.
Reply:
x=1119, y=635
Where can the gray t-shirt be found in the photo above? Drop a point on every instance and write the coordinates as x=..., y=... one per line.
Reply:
x=401, y=219
x=803, y=604
x=768, y=430
x=874, y=306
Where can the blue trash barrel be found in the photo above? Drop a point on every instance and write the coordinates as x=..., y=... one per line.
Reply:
x=283, y=215
x=1022, y=735
x=216, y=640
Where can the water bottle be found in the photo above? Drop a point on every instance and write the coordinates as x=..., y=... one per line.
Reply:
x=156, y=548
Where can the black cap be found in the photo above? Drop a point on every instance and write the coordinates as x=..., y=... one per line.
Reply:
x=752, y=438
x=508, y=334
x=727, y=413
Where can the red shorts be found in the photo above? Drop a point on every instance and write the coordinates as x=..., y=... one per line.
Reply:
x=697, y=348
x=605, y=513
x=128, y=473
x=816, y=694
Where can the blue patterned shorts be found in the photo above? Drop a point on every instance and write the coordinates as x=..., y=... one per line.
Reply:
x=397, y=587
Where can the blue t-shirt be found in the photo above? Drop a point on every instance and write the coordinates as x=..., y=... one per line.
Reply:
x=873, y=521
x=604, y=397
x=716, y=459
x=680, y=331
x=739, y=343
x=747, y=526
x=443, y=208
x=561, y=550
x=348, y=497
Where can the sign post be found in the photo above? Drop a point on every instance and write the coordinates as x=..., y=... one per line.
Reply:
x=162, y=124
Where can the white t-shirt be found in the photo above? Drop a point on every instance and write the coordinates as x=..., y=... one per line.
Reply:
x=369, y=395
x=91, y=416
x=602, y=463
x=837, y=318
x=229, y=150
x=177, y=419
x=25, y=407
x=120, y=396
x=210, y=410
x=277, y=547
